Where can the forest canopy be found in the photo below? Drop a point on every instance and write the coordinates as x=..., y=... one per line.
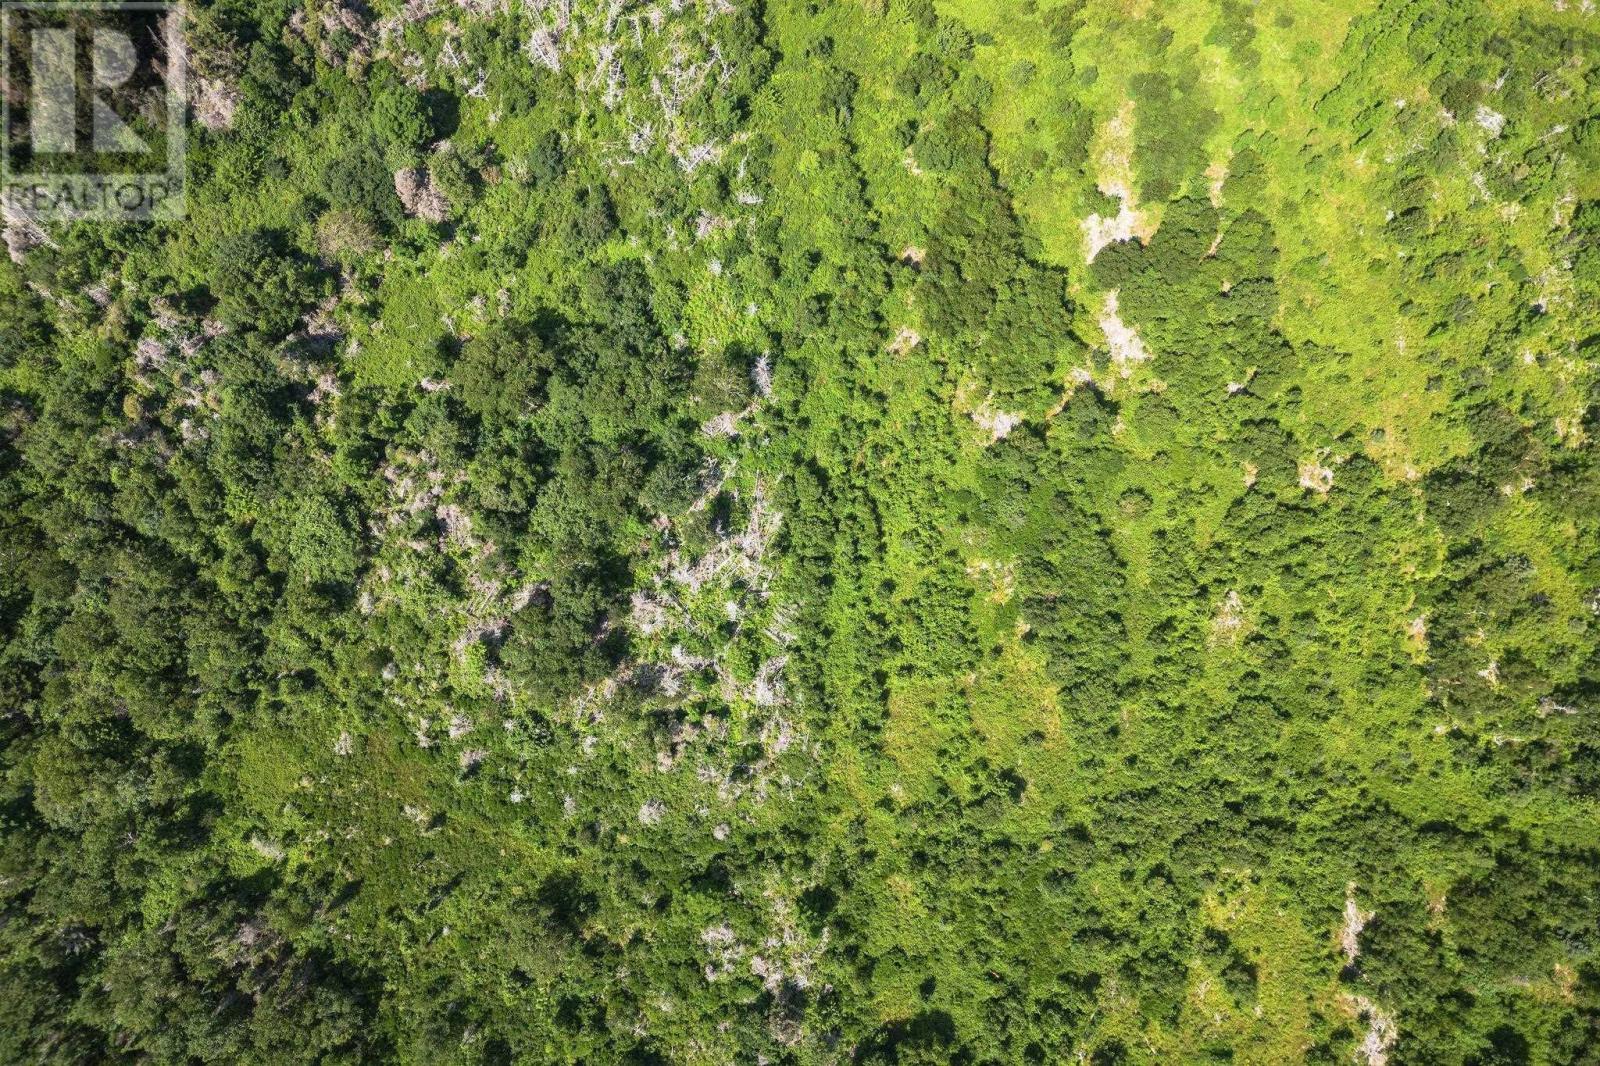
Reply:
x=882, y=531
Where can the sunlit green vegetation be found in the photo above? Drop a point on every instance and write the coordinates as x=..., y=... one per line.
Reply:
x=875, y=531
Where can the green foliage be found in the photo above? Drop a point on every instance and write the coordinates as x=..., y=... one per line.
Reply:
x=260, y=283
x=748, y=585
x=1174, y=119
x=502, y=374
x=400, y=121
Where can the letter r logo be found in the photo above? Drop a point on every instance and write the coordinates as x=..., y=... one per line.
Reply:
x=53, y=122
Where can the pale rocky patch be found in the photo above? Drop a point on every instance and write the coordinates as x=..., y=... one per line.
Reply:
x=1229, y=624
x=1315, y=477
x=1355, y=920
x=996, y=422
x=1216, y=177
x=721, y=426
x=1382, y=1030
x=905, y=340
x=23, y=234
x=1548, y=707
x=652, y=812
x=267, y=849
x=1099, y=230
x=1115, y=159
x=1123, y=341
x=215, y=103
x=761, y=375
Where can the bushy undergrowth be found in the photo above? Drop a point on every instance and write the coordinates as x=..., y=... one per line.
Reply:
x=866, y=532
